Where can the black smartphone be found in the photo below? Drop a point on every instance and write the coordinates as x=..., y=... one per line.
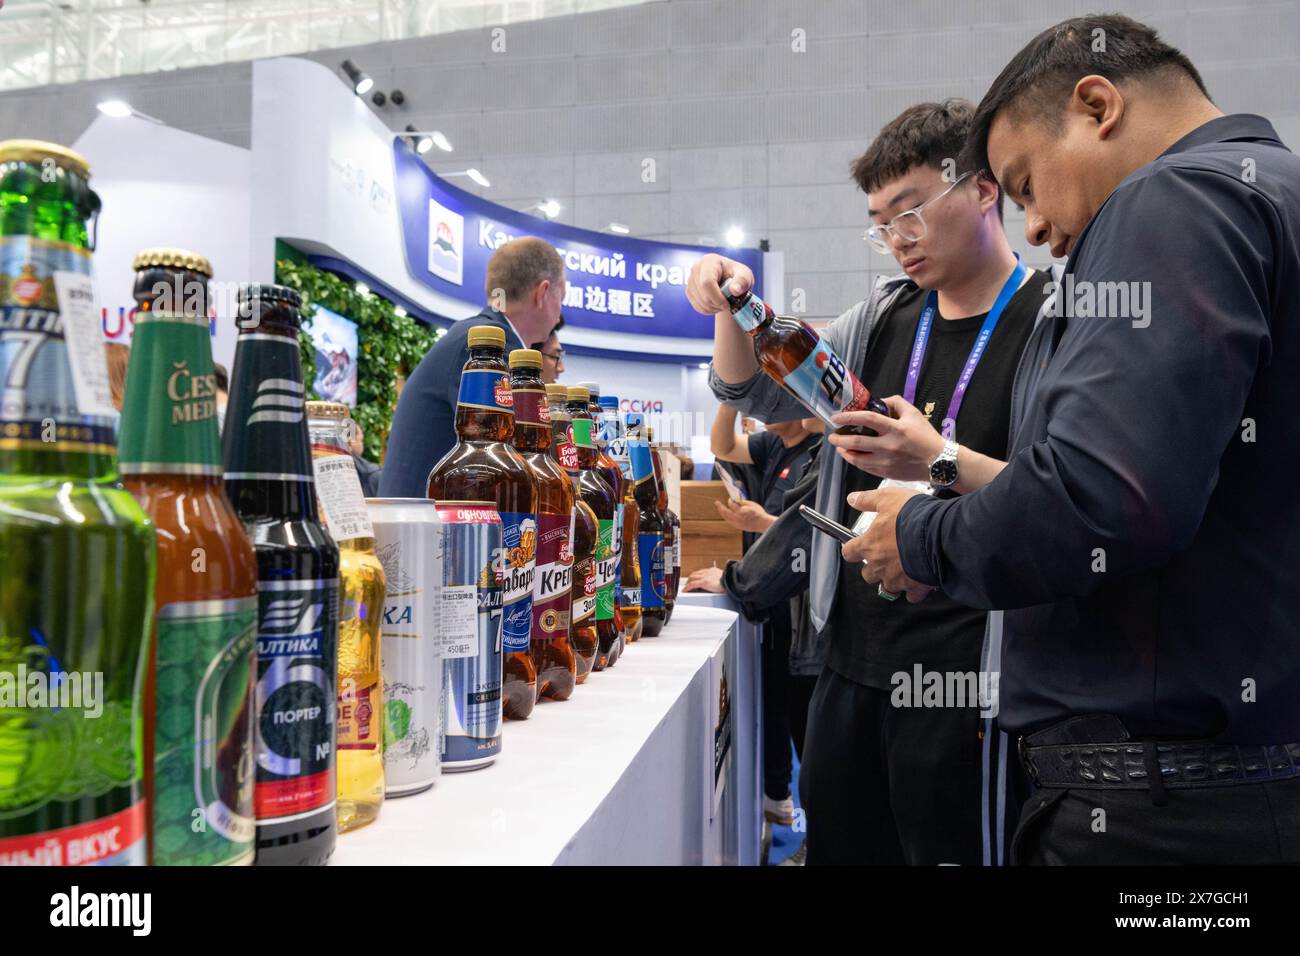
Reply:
x=826, y=525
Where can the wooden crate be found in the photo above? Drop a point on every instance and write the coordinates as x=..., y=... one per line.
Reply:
x=698, y=498
x=706, y=543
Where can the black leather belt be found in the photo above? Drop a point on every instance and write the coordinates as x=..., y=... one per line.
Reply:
x=1124, y=766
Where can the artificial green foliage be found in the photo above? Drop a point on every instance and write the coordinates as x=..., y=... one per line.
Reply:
x=387, y=342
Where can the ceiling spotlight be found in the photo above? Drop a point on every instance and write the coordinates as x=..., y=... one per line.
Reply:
x=422, y=142
x=441, y=141
x=703, y=365
x=478, y=177
x=550, y=208
x=398, y=97
x=118, y=109
x=619, y=228
x=735, y=236
x=378, y=98
x=361, y=83
x=363, y=289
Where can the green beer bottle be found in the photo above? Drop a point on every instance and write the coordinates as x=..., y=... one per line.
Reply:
x=198, y=701
x=76, y=551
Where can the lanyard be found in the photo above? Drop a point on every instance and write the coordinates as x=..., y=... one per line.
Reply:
x=977, y=350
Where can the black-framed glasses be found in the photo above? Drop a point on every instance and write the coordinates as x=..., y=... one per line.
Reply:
x=908, y=226
x=556, y=356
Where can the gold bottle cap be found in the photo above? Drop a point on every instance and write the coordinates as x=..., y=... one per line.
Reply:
x=327, y=410
x=528, y=358
x=557, y=393
x=37, y=151
x=649, y=433
x=172, y=259
x=579, y=393
x=490, y=335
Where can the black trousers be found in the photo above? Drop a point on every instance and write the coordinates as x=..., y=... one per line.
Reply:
x=889, y=785
x=1234, y=825
x=785, y=707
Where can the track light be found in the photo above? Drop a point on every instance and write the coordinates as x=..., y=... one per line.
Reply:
x=549, y=208
x=735, y=236
x=378, y=98
x=473, y=174
x=420, y=141
x=361, y=82
x=619, y=228
x=441, y=141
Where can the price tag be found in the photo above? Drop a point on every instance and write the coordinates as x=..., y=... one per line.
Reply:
x=83, y=338
x=341, y=498
x=458, y=621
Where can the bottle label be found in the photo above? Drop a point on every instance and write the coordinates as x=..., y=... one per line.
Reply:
x=203, y=746
x=297, y=660
x=823, y=384
x=618, y=553
x=54, y=392
x=359, y=713
x=567, y=454
x=580, y=433
x=553, y=584
x=632, y=598
x=530, y=407
x=485, y=388
x=642, y=466
x=342, y=502
x=265, y=436
x=584, y=605
x=752, y=313
x=114, y=840
x=651, y=552
x=519, y=557
x=169, y=415
x=606, y=561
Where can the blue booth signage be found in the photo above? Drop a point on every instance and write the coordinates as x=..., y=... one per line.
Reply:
x=614, y=283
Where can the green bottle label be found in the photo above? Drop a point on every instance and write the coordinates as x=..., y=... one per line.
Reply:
x=606, y=570
x=580, y=430
x=169, y=416
x=203, y=757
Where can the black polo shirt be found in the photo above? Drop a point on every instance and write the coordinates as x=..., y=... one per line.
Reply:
x=1145, y=536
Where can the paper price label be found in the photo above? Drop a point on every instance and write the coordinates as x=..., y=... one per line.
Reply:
x=341, y=498
x=458, y=620
x=84, y=341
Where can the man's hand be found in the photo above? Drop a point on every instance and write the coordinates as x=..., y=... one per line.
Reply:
x=745, y=515
x=705, y=579
x=703, y=285
x=878, y=547
x=906, y=445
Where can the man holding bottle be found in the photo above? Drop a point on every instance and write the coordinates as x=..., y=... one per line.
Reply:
x=890, y=777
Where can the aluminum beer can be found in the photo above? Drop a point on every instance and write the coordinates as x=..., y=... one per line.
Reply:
x=408, y=542
x=469, y=617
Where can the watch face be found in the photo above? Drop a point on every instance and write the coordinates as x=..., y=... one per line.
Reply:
x=943, y=472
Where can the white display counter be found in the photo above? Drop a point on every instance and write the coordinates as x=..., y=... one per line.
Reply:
x=620, y=774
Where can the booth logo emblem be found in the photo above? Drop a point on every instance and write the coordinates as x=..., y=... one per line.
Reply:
x=446, y=243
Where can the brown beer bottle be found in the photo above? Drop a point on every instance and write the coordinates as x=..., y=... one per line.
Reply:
x=672, y=528
x=650, y=529
x=549, y=644
x=199, y=685
x=629, y=569
x=582, y=619
x=602, y=499
x=608, y=469
x=797, y=358
x=484, y=466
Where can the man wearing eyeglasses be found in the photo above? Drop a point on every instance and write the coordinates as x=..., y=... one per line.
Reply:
x=893, y=773
x=552, y=355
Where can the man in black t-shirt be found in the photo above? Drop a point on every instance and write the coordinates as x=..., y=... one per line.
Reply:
x=896, y=768
x=773, y=459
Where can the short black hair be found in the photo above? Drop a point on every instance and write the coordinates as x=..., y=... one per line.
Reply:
x=926, y=134
x=223, y=377
x=1038, y=80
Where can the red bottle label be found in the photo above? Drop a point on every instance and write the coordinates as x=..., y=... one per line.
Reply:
x=553, y=583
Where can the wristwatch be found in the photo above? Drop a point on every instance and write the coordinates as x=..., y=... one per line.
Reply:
x=943, y=470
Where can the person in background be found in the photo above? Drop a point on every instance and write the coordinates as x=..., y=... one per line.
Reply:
x=777, y=456
x=767, y=577
x=890, y=778
x=524, y=289
x=552, y=355
x=117, y=356
x=367, y=470
x=223, y=393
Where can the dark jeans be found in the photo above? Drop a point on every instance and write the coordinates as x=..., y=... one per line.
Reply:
x=889, y=785
x=785, y=708
x=1232, y=825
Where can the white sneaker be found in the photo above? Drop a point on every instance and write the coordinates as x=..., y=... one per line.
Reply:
x=779, y=811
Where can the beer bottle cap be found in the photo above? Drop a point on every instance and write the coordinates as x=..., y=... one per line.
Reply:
x=37, y=151
x=270, y=293
x=487, y=335
x=528, y=358
x=649, y=433
x=609, y=401
x=557, y=393
x=593, y=388
x=327, y=410
x=579, y=393
x=171, y=259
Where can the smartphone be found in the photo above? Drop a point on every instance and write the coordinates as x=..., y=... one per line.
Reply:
x=826, y=525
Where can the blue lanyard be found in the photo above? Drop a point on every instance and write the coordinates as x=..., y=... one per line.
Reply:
x=1009, y=289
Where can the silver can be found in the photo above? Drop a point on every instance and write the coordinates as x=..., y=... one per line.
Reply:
x=470, y=624
x=409, y=543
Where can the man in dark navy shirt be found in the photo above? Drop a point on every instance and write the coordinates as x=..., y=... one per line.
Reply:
x=525, y=287
x=1146, y=531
